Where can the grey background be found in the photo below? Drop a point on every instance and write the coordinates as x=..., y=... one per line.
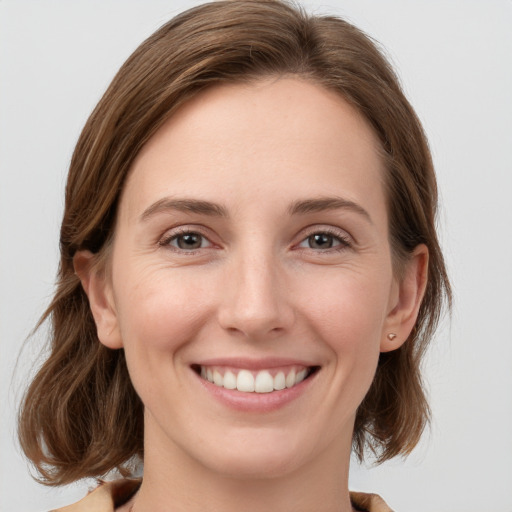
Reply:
x=454, y=57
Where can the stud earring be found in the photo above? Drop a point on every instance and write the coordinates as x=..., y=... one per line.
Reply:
x=391, y=336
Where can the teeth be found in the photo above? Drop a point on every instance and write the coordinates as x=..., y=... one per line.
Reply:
x=260, y=382
x=279, y=381
x=300, y=376
x=218, y=380
x=290, y=379
x=229, y=380
x=264, y=383
x=245, y=381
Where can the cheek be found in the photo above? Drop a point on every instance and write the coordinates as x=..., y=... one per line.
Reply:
x=350, y=311
x=159, y=311
x=348, y=318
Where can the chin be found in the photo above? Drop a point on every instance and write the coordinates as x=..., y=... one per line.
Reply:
x=246, y=459
x=256, y=466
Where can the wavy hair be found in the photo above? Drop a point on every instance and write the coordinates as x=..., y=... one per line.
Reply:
x=81, y=416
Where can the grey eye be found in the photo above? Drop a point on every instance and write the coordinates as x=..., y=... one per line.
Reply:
x=189, y=241
x=321, y=241
x=324, y=241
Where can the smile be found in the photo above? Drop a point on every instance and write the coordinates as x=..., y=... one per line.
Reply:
x=262, y=381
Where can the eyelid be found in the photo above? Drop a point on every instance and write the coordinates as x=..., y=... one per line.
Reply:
x=173, y=233
x=346, y=240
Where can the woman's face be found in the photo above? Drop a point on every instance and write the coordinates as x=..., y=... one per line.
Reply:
x=251, y=249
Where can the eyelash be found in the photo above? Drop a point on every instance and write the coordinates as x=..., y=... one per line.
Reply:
x=181, y=232
x=337, y=235
x=344, y=242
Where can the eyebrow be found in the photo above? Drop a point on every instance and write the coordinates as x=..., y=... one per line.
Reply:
x=184, y=205
x=321, y=204
x=300, y=207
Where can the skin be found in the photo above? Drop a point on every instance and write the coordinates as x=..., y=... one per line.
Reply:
x=257, y=287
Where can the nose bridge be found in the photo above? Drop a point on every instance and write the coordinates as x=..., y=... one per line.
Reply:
x=256, y=302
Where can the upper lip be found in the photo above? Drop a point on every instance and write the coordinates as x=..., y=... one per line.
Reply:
x=253, y=363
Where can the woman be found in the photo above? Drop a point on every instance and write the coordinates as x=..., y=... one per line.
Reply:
x=249, y=275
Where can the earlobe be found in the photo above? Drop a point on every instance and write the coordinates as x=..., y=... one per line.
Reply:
x=98, y=289
x=402, y=317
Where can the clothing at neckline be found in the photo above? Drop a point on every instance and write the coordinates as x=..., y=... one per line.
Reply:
x=110, y=495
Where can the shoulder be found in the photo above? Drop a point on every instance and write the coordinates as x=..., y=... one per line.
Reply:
x=106, y=497
x=369, y=502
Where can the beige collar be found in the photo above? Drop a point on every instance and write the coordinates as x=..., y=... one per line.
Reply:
x=108, y=495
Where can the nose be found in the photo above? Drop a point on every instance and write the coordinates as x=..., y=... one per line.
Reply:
x=256, y=300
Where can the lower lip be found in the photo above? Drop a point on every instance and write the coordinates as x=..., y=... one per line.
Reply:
x=257, y=402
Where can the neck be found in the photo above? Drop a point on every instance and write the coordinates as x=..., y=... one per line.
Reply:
x=190, y=486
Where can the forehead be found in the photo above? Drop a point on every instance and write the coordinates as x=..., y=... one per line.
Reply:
x=233, y=139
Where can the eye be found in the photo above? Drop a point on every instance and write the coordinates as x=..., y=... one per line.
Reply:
x=324, y=241
x=186, y=241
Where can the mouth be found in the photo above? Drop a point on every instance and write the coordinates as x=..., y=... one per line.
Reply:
x=244, y=380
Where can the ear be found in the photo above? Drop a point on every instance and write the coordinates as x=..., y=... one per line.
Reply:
x=98, y=288
x=406, y=300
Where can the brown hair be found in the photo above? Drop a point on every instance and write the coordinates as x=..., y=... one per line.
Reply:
x=81, y=416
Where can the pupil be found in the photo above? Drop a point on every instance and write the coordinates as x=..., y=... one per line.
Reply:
x=189, y=241
x=321, y=241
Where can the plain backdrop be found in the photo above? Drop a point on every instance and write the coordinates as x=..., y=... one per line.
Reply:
x=455, y=62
